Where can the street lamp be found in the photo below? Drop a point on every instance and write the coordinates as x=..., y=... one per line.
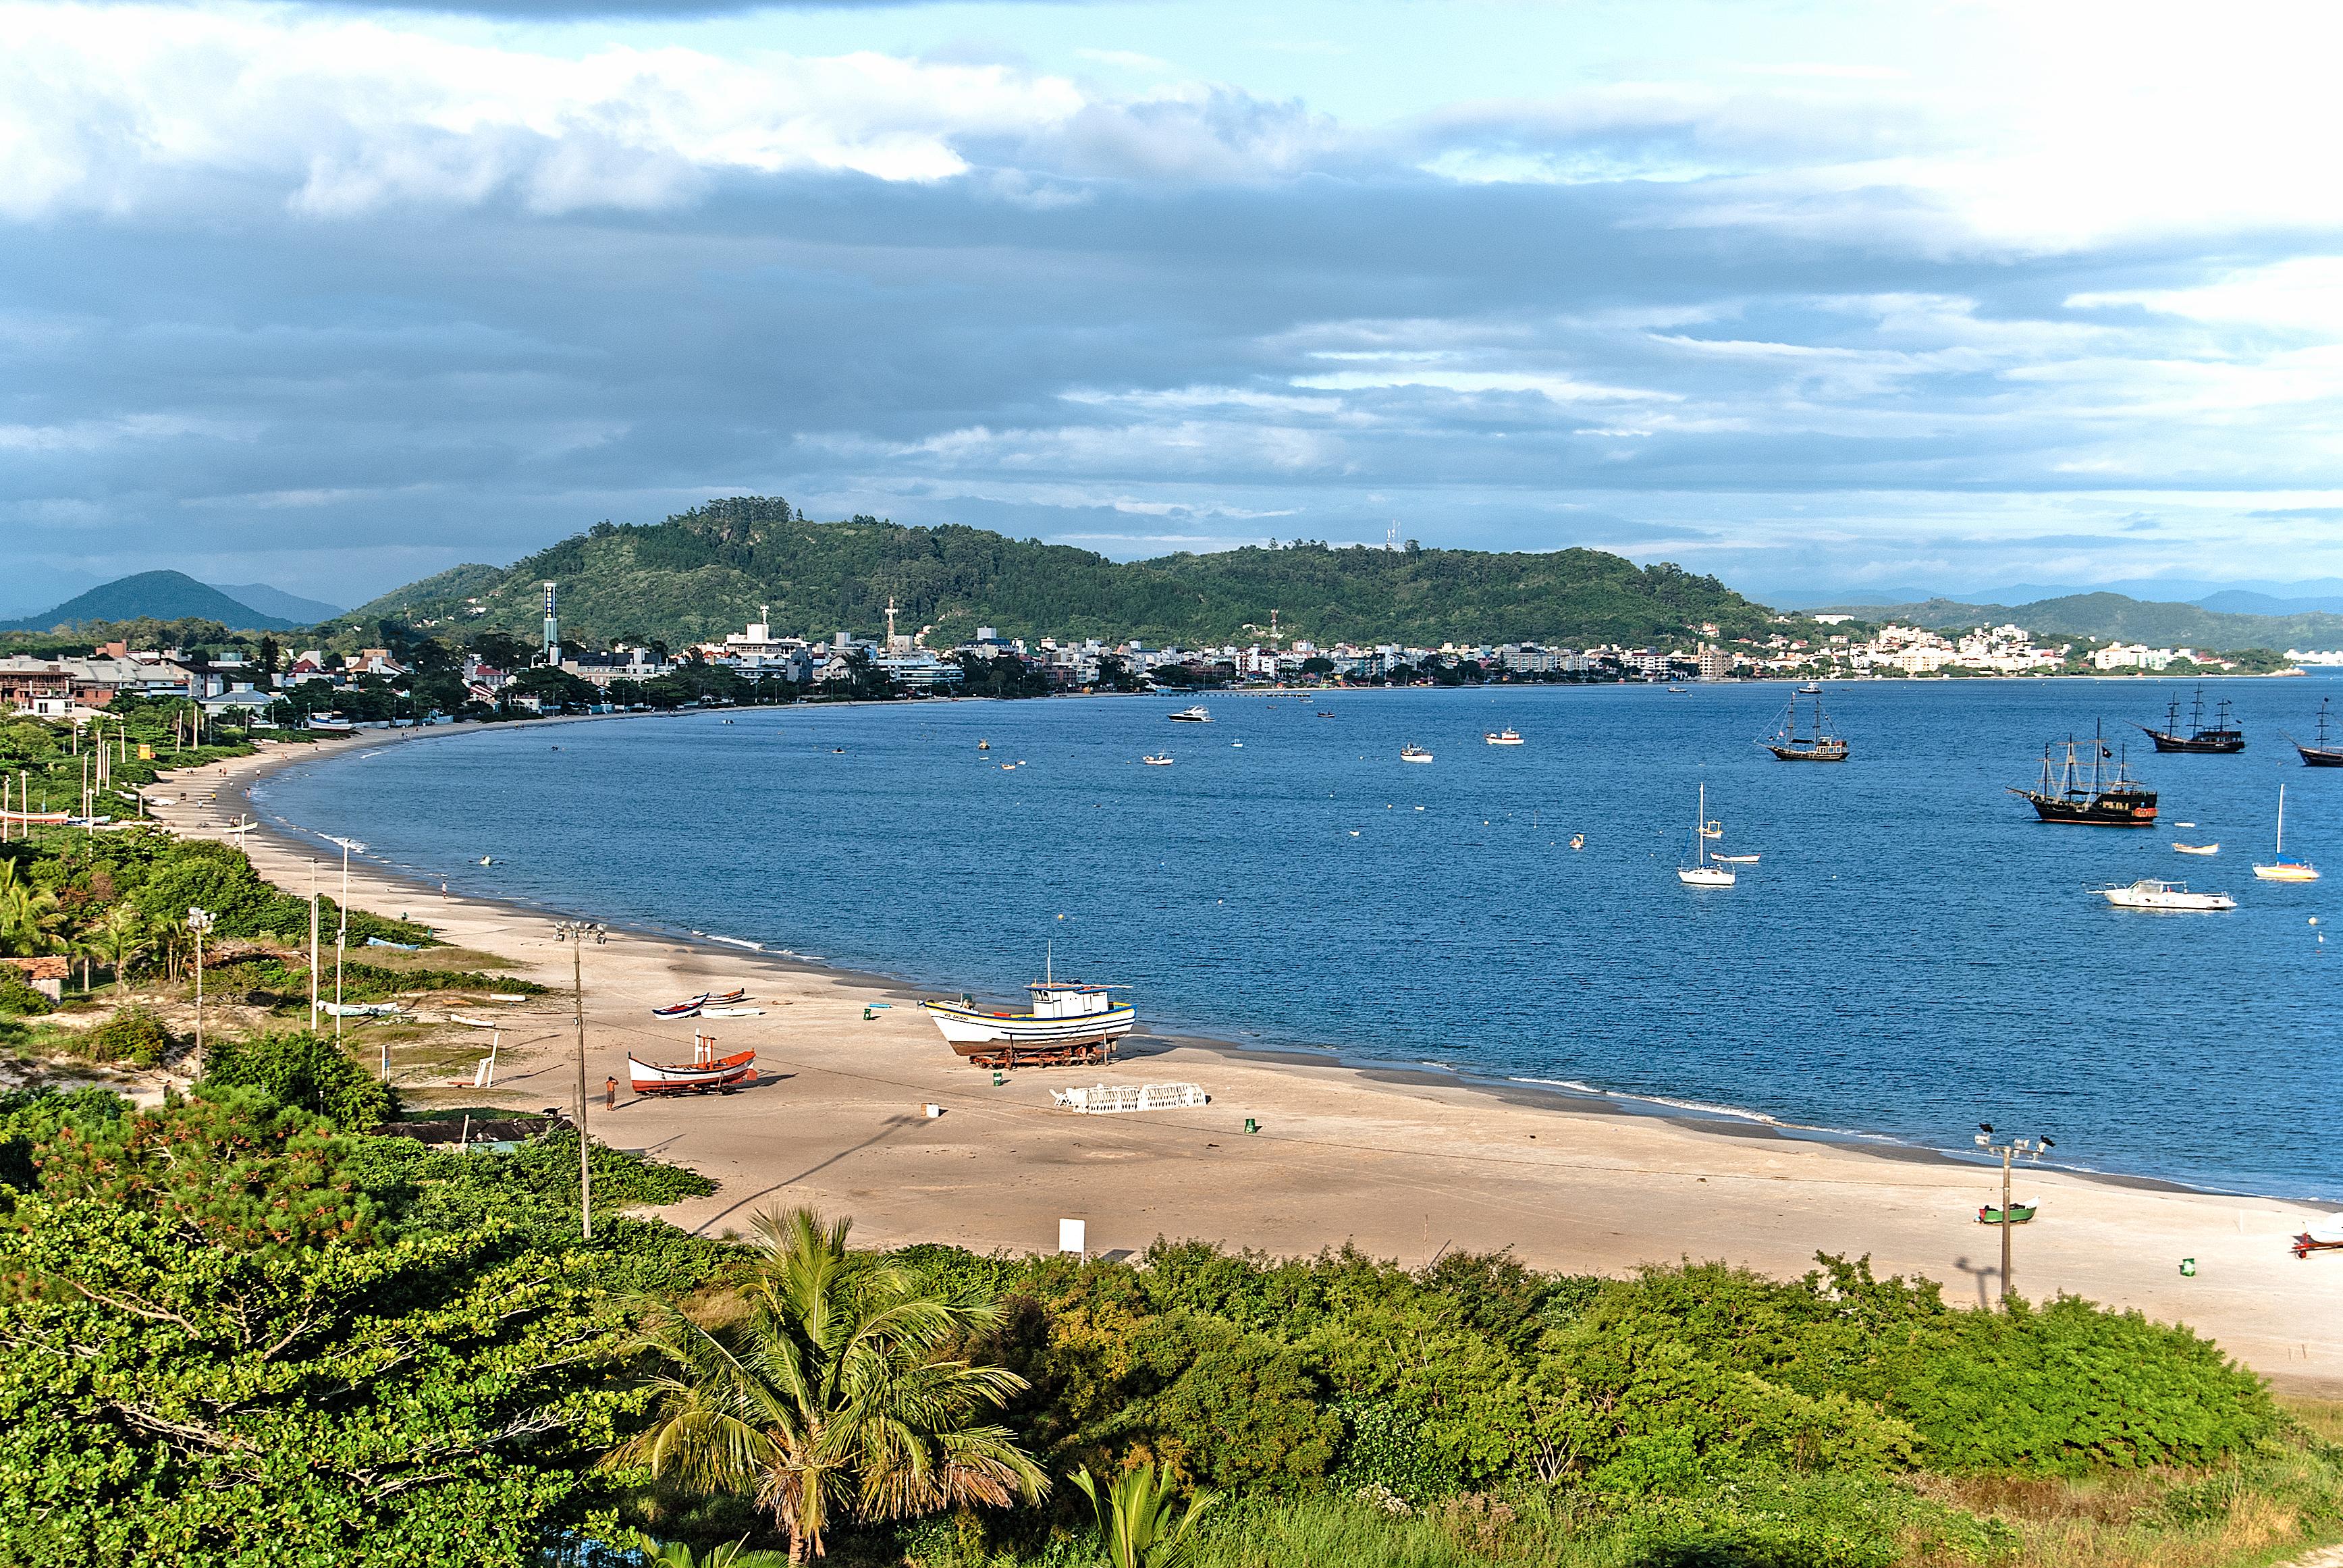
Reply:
x=565, y=931
x=198, y=922
x=2009, y=1150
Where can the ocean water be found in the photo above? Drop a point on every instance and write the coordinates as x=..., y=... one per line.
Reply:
x=1913, y=954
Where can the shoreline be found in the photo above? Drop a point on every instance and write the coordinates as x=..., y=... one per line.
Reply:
x=1719, y=1121
x=1399, y=1160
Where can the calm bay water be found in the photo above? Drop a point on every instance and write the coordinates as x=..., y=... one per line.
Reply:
x=1913, y=953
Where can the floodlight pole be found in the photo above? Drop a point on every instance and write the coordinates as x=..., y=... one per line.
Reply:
x=198, y=922
x=575, y=933
x=2009, y=1150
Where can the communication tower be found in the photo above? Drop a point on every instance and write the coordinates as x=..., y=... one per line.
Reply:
x=552, y=627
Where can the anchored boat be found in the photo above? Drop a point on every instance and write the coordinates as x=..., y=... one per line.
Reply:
x=1505, y=737
x=1200, y=714
x=2320, y=754
x=2221, y=736
x=2109, y=797
x=2282, y=869
x=1412, y=752
x=2152, y=893
x=1817, y=745
x=1701, y=873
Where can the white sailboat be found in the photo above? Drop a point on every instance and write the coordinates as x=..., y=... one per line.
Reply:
x=2282, y=869
x=1701, y=873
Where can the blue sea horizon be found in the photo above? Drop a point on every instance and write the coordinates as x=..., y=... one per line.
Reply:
x=1913, y=953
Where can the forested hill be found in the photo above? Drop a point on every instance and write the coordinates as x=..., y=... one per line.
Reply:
x=704, y=572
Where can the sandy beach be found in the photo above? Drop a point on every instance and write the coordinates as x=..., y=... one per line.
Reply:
x=1403, y=1164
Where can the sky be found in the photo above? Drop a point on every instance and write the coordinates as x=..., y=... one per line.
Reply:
x=1815, y=297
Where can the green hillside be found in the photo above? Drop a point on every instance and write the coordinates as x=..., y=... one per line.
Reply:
x=2113, y=617
x=152, y=595
x=704, y=572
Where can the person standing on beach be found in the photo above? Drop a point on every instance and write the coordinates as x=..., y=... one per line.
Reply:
x=610, y=1094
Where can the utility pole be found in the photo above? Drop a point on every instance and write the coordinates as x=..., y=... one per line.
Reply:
x=2009, y=1151
x=198, y=922
x=575, y=933
x=342, y=943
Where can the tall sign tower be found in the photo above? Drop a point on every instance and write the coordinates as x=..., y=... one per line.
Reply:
x=552, y=627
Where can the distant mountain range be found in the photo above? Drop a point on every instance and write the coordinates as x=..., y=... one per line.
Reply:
x=2318, y=596
x=174, y=595
x=707, y=571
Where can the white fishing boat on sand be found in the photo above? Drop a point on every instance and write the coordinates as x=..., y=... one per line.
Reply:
x=1068, y=1022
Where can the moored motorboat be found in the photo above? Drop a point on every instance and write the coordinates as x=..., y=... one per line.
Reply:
x=2156, y=894
x=1163, y=760
x=1199, y=714
x=2197, y=848
x=1507, y=737
x=1412, y=752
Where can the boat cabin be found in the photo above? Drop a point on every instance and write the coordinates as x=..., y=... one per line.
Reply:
x=1063, y=999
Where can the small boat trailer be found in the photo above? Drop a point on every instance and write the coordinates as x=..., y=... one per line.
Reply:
x=2322, y=1236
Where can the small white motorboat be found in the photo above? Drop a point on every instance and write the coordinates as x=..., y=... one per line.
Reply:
x=1507, y=737
x=1412, y=752
x=2197, y=848
x=1165, y=761
x=1200, y=714
x=2154, y=893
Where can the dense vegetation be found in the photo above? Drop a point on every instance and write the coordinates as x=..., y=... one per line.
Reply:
x=703, y=573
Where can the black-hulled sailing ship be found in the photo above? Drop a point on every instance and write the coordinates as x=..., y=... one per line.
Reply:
x=1817, y=745
x=2093, y=795
x=2319, y=753
x=2220, y=736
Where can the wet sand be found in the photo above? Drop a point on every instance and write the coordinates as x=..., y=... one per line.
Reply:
x=1403, y=1163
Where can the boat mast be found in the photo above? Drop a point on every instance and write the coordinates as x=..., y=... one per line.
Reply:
x=1700, y=828
x=2281, y=821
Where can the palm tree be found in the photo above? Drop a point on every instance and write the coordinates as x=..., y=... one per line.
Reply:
x=29, y=916
x=833, y=1392
x=659, y=1553
x=121, y=937
x=1136, y=1529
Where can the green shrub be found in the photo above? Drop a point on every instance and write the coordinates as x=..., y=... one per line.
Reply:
x=304, y=1069
x=133, y=1035
x=18, y=998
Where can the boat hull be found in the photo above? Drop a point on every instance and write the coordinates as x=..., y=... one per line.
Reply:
x=1012, y=1040
x=2320, y=755
x=2110, y=810
x=1819, y=751
x=2212, y=742
x=724, y=1073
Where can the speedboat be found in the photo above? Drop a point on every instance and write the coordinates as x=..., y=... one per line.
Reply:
x=1412, y=752
x=1507, y=737
x=2152, y=893
x=1163, y=761
x=1200, y=714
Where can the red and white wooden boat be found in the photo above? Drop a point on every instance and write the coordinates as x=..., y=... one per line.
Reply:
x=706, y=1070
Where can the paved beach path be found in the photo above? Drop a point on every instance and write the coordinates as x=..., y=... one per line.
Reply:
x=1401, y=1165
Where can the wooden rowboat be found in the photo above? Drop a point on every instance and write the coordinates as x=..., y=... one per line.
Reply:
x=719, y=1072
x=2018, y=1213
